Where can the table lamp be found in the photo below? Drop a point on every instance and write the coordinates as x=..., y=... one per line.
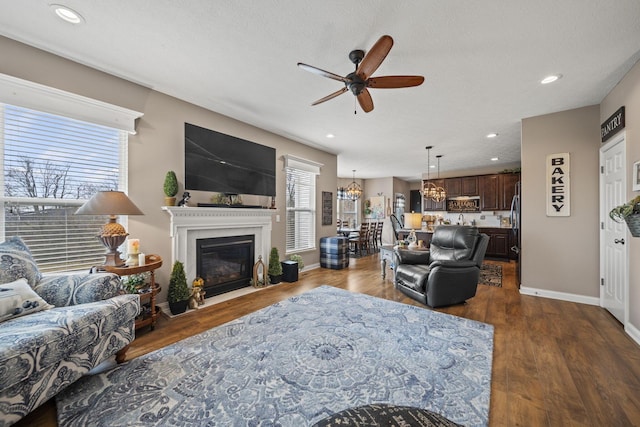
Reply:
x=413, y=221
x=112, y=234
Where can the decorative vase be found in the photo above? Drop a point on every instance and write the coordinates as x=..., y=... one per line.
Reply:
x=178, y=307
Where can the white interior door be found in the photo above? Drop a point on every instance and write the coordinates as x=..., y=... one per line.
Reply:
x=614, y=240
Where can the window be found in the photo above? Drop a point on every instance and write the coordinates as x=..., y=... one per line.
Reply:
x=50, y=166
x=300, y=203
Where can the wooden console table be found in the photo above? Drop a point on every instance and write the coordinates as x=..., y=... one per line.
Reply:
x=152, y=263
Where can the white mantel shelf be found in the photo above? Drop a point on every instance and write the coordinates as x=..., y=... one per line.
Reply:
x=190, y=224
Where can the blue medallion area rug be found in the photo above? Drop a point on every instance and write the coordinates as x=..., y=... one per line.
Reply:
x=295, y=363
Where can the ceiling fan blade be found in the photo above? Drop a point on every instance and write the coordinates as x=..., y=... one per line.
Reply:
x=318, y=71
x=333, y=95
x=390, y=82
x=365, y=101
x=374, y=57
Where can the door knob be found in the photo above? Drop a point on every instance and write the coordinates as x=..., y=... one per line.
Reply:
x=619, y=241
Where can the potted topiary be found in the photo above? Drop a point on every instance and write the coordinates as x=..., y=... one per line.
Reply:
x=178, y=294
x=297, y=258
x=170, y=188
x=275, y=268
x=629, y=213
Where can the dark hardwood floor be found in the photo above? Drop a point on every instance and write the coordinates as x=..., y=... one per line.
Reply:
x=555, y=363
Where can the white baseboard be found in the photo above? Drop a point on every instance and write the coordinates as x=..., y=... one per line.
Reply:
x=633, y=332
x=563, y=296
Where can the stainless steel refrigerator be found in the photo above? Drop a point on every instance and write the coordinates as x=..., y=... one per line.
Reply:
x=516, y=230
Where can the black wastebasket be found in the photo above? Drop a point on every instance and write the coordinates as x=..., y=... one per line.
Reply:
x=289, y=271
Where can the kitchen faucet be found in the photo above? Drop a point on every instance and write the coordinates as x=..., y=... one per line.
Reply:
x=460, y=219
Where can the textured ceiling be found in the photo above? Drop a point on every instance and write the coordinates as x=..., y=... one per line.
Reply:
x=482, y=62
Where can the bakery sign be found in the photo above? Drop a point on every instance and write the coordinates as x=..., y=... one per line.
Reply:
x=558, y=185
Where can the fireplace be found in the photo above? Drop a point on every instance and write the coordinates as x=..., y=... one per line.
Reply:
x=191, y=224
x=225, y=263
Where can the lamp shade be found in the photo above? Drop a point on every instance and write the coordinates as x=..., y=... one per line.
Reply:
x=109, y=203
x=413, y=221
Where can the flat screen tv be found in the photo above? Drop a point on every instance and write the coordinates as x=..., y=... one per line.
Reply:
x=222, y=163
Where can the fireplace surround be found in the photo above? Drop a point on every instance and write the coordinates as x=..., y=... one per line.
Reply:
x=189, y=224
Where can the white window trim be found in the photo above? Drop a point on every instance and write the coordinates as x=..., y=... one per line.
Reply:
x=302, y=164
x=23, y=93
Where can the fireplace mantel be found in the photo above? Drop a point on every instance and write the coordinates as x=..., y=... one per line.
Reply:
x=189, y=224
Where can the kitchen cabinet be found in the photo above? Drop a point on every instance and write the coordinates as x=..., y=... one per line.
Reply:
x=463, y=186
x=499, y=242
x=489, y=192
x=509, y=181
x=469, y=185
x=497, y=191
x=453, y=187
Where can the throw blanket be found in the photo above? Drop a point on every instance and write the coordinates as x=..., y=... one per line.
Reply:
x=295, y=363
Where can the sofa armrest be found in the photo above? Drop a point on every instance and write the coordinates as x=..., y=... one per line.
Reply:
x=406, y=256
x=80, y=288
x=464, y=263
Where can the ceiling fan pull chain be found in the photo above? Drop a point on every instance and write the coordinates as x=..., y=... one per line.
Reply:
x=355, y=107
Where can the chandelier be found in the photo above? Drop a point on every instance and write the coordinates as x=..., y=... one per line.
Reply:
x=354, y=191
x=429, y=189
x=440, y=194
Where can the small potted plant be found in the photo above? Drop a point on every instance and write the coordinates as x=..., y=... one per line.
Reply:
x=170, y=188
x=134, y=282
x=297, y=258
x=629, y=213
x=275, y=268
x=178, y=293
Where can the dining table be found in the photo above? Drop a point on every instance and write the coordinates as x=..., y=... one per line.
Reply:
x=346, y=231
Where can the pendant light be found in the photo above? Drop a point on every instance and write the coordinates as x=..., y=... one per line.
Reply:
x=429, y=189
x=354, y=191
x=439, y=194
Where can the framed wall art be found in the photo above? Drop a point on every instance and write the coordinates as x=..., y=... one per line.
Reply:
x=327, y=208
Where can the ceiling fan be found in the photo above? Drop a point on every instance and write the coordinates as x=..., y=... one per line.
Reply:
x=360, y=80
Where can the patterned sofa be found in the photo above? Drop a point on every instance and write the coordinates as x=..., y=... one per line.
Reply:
x=64, y=326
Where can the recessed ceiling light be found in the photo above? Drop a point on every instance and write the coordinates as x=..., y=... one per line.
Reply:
x=67, y=14
x=492, y=135
x=494, y=159
x=330, y=135
x=550, y=79
x=432, y=166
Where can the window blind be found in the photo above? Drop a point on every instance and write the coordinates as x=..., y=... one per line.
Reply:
x=50, y=166
x=301, y=213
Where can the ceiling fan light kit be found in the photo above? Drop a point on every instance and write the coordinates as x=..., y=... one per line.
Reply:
x=360, y=80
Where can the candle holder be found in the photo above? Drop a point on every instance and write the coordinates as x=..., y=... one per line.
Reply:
x=132, y=261
x=133, y=250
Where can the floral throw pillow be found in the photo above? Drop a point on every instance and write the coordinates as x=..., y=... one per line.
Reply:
x=16, y=262
x=18, y=299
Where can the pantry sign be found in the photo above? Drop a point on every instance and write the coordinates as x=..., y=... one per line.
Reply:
x=558, y=185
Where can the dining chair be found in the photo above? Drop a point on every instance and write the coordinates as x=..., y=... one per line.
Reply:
x=360, y=243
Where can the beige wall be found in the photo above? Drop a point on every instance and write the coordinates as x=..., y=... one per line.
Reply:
x=561, y=254
x=158, y=146
x=627, y=94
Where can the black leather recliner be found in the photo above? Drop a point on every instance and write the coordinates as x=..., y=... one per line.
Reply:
x=446, y=274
